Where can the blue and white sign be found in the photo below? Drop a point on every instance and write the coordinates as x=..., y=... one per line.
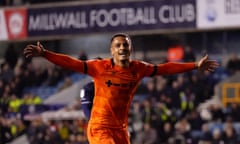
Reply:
x=218, y=13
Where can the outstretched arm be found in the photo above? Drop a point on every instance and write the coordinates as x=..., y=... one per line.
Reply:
x=179, y=67
x=58, y=59
x=206, y=64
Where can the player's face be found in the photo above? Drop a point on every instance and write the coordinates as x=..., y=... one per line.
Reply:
x=121, y=48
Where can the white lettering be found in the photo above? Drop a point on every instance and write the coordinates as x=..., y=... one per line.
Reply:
x=130, y=16
x=59, y=20
x=232, y=6
x=163, y=14
x=122, y=16
x=33, y=23
x=55, y=21
x=93, y=17
x=177, y=13
x=102, y=19
x=189, y=12
x=115, y=18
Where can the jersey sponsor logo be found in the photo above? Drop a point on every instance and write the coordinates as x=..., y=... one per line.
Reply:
x=109, y=83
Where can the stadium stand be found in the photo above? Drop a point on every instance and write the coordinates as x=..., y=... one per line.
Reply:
x=186, y=108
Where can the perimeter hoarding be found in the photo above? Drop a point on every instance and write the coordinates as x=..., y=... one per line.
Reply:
x=3, y=26
x=218, y=13
x=111, y=17
x=13, y=24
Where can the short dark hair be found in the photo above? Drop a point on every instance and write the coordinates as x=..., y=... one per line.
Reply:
x=122, y=35
x=98, y=58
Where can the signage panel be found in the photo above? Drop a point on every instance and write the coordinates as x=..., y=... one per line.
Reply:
x=111, y=17
x=218, y=13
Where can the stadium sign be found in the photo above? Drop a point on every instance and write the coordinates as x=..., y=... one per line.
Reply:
x=111, y=17
x=3, y=27
x=218, y=13
x=13, y=24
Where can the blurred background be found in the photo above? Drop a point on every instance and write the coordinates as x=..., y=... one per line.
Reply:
x=40, y=104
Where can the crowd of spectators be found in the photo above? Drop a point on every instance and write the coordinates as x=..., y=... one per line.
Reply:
x=163, y=111
x=171, y=116
x=57, y=131
x=16, y=74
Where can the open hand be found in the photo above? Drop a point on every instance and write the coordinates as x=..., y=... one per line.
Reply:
x=34, y=50
x=206, y=64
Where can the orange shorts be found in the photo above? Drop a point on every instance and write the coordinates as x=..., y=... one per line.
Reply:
x=104, y=135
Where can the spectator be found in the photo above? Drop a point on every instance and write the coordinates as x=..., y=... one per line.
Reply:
x=187, y=99
x=233, y=64
x=229, y=133
x=6, y=73
x=52, y=76
x=148, y=135
x=217, y=137
x=11, y=56
x=188, y=54
x=148, y=111
x=64, y=131
x=166, y=133
x=217, y=113
x=4, y=103
x=175, y=95
x=183, y=128
x=4, y=131
x=151, y=89
x=67, y=83
x=233, y=112
x=82, y=55
x=135, y=120
x=15, y=103
x=36, y=100
x=206, y=134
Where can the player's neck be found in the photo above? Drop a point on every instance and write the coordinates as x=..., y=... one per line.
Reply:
x=122, y=63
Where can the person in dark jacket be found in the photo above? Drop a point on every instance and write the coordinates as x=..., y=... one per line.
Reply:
x=86, y=97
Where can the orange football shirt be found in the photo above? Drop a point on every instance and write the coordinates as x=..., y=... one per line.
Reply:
x=115, y=86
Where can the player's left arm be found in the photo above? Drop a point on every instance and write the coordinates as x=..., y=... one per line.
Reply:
x=179, y=67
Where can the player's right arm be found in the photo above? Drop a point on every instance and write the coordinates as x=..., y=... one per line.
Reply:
x=62, y=60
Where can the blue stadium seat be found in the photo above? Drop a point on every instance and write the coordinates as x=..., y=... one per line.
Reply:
x=45, y=91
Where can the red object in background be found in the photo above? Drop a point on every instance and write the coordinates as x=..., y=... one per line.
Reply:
x=16, y=21
x=175, y=53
